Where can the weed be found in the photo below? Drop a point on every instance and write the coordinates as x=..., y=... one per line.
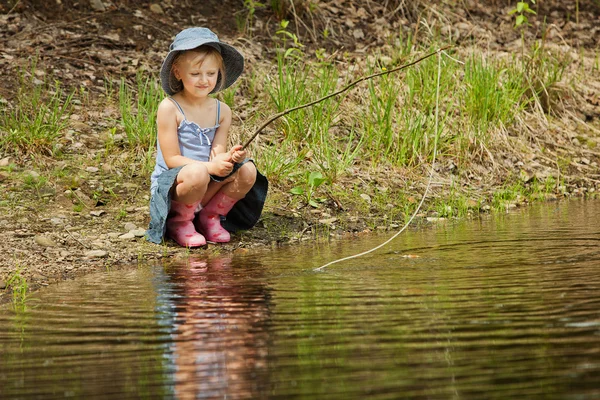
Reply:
x=310, y=185
x=520, y=12
x=19, y=286
x=138, y=111
x=36, y=120
x=280, y=160
x=493, y=96
x=34, y=183
x=245, y=21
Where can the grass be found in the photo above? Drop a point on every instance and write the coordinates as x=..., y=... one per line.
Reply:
x=384, y=124
x=36, y=120
x=138, y=107
x=20, y=288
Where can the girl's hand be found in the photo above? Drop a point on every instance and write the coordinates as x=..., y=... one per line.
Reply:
x=238, y=154
x=221, y=165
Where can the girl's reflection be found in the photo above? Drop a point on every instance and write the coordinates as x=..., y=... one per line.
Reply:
x=220, y=333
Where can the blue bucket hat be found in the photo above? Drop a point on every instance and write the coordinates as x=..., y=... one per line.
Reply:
x=191, y=38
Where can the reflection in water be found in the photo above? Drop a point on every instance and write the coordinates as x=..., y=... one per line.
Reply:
x=499, y=308
x=219, y=334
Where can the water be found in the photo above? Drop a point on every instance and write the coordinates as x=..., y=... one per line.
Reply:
x=505, y=307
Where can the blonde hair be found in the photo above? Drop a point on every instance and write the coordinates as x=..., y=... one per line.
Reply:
x=206, y=51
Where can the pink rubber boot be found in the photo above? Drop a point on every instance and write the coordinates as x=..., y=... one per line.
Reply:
x=209, y=218
x=180, y=226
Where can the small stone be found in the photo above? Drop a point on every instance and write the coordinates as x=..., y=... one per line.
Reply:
x=2, y=285
x=96, y=254
x=44, y=241
x=156, y=8
x=97, y=213
x=328, y=221
x=5, y=162
x=358, y=34
x=33, y=174
x=97, y=5
x=113, y=235
x=138, y=232
x=365, y=197
x=92, y=169
x=127, y=236
x=435, y=219
x=57, y=221
x=130, y=226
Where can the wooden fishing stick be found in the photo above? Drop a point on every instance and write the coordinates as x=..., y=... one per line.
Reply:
x=342, y=90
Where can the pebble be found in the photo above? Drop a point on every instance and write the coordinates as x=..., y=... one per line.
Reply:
x=96, y=254
x=365, y=197
x=2, y=285
x=97, y=213
x=138, y=232
x=435, y=219
x=127, y=236
x=129, y=226
x=328, y=221
x=92, y=169
x=44, y=241
x=157, y=9
x=33, y=174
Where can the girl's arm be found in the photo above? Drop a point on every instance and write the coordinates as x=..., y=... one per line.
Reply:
x=219, y=144
x=166, y=119
x=219, y=147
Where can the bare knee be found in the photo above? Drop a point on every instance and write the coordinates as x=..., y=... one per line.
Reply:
x=194, y=176
x=246, y=175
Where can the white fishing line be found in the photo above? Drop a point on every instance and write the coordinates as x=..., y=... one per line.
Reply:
x=437, y=104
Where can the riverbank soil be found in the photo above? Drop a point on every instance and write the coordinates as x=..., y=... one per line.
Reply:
x=82, y=204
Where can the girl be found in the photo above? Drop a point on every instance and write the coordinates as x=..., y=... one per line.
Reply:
x=195, y=173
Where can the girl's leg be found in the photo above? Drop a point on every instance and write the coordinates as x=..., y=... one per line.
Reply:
x=243, y=181
x=222, y=198
x=192, y=182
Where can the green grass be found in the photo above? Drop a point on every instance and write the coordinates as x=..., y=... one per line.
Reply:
x=35, y=120
x=138, y=107
x=20, y=288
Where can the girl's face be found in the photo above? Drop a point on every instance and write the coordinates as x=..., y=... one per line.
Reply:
x=198, y=73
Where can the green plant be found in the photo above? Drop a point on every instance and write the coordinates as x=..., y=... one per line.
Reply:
x=35, y=122
x=295, y=48
x=19, y=286
x=245, y=19
x=34, y=183
x=312, y=182
x=138, y=111
x=281, y=159
x=520, y=12
x=493, y=95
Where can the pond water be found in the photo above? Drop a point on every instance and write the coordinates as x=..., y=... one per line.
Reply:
x=503, y=307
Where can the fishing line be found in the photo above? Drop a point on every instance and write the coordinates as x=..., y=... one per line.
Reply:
x=437, y=104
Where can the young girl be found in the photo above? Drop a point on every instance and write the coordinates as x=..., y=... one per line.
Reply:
x=197, y=181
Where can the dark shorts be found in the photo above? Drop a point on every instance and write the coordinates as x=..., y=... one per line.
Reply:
x=244, y=214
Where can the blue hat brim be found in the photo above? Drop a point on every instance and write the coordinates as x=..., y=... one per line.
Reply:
x=233, y=62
